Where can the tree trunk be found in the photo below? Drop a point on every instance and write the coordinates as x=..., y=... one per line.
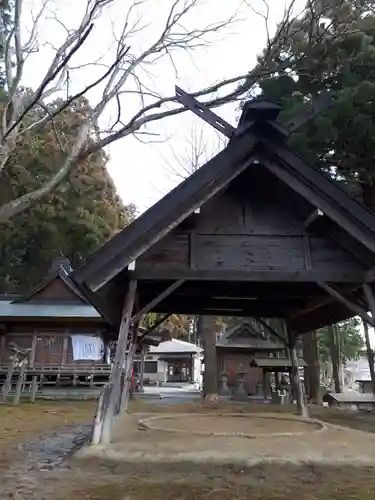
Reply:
x=295, y=378
x=334, y=358
x=207, y=330
x=312, y=370
x=370, y=356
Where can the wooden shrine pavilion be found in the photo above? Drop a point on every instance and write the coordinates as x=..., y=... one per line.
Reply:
x=240, y=346
x=47, y=322
x=258, y=231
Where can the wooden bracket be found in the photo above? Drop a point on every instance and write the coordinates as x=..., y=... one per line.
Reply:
x=154, y=327
x=273, y=331
x=147, y=308
x=312, y=218
x=352, y=306
x=204, y=112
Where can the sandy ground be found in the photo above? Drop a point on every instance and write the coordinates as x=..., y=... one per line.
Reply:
x=231, y=424
x=30, y=436
x=333, y=446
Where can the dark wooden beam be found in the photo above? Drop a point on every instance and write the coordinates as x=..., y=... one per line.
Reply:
x=352, y=306
x=370, y=297
x=319, y=302
x=193, y=307
x=154, y=327
x=330, y=313
x=369, y=275
x=312, y=218
x=345, y=241
x=204, y=112
x=273, y=331
x=340, y=276
x=148, y=307
x=320, y=104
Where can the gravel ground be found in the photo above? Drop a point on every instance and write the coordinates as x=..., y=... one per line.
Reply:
x=34, y=460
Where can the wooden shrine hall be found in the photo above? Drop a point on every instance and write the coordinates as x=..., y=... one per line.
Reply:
x=257, y=231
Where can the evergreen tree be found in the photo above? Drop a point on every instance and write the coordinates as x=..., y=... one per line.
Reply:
x=74, y=220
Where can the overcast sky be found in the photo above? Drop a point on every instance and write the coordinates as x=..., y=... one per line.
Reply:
x=139, y=168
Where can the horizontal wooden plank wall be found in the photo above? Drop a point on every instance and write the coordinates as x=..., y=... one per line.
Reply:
x=247, y=252
x=246, y=231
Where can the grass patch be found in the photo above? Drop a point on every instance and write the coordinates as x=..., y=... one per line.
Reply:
x=25, y=421
x=264, y=482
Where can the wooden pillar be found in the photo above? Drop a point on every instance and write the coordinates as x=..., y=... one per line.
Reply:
x=2, y=348
x=295, y=378
x=34, y=382
x=277, y=380
x=207, y=329
x=20, y=381
x=370, y=353
x=64, y=350
x=125, y=396
x=8, y=382
x=265, y=382
x=115, y=388
x=142, y=369
x=312, y=370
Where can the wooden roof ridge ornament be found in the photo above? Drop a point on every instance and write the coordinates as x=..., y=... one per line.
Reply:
x=255, y=109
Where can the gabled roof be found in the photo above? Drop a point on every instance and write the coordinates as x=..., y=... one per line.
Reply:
x=73, y=306
x=58, y=274
x=175, y=346
x=245, y=336
x=259, y=141
x=22, y=311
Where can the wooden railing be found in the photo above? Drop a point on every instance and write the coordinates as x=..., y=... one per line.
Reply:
x=31, y=378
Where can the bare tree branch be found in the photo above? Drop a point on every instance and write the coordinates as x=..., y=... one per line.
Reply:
x=125, y=82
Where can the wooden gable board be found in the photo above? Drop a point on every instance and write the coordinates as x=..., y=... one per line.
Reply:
x=247, y=228
x=245, y=332
x=58, y=286
x=166, y=214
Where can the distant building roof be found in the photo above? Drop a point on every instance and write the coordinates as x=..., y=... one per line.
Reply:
x=275, y=363
x=13, y=310
x=175, y=346
x=245, y=336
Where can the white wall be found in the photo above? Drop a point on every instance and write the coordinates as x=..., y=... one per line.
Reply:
x=197, y=369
